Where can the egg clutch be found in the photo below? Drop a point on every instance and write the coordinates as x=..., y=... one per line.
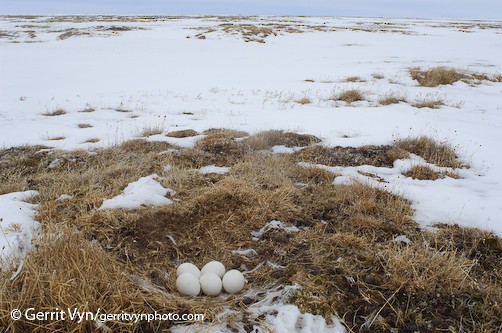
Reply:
x=211, y=279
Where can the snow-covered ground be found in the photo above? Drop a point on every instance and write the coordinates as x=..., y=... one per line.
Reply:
x=169, y=79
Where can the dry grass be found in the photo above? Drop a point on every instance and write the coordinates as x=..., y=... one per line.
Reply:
x=442, y=76
x=56, y=138
x=88, y=109
x=350, y=96
x=84, y=125
x=436, y=76
x=354, y=79
x=182, y=133
x=345, y=261
x=428, y=102
x=304, y=100
x=381, y=156
x=378, y=76
x=226, y=132
x=91, y=140
x=440, y=154
x=422, y=172
x=56, y=112
x=268, y=139
x=151, y=130
x=391, y=98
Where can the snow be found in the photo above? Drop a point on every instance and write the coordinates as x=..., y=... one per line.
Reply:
x=463, y=201
x=273, y=225
x=283, y=150
x=17, y=227
x=146, y=191
x=278, y=317
x=214, y=169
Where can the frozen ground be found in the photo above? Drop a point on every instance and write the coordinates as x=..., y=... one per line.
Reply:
x=139, y=75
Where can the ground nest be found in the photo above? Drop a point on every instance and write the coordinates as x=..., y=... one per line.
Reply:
x=344, y=253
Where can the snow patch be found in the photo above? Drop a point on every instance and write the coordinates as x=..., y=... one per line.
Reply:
x=17, y=227
x=146, y=191
x=276, y=225
x=214, y=169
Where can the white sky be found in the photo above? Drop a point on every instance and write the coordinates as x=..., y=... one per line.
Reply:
x=476, y=9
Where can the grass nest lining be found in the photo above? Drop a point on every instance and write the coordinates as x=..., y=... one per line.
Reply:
x=343, y=257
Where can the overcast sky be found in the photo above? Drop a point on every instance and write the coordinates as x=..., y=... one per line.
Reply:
x=478, y=9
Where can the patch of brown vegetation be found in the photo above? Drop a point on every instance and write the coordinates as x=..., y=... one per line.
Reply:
x=428, y=102
x=56, y=138
x=88, y=109
x=350, y=96
x=381, y=156
x=72, y=33
x=440, y=154
x=303, y=100
x=84, y=125
x=392, y=98
x=268, y=139
x=442, y=76
x=226, y=132
x=92, y=140
x=354, y=79
x=56, y=112
x=422, y=172
x=343, y=256
x=152, y=130
x=182, y=133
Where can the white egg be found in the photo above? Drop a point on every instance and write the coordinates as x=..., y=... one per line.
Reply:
x=188, y=285
x=211, y=284
x=233, y=281
x=188, y=268
x=215, y=267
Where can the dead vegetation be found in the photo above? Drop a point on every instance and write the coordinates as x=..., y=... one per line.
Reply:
x=380, y=156
x=436, y=76
x=53, y=113
x=344, y=256
x=354, y=79
x=304, y=100
x=428, y=102
x=391, y=98
x=56, y=138
x=440, y=154
x=422, y=172
x=152, y=130
x=250, y=32
x=92, y=140
x=84, y=125
x=349, y=96
x=182, y=133
x=268, y=139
